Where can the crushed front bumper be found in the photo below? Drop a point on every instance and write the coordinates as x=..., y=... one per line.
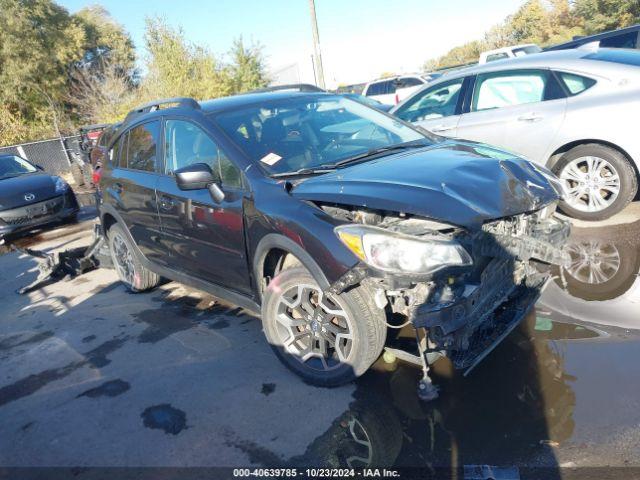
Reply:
x=466, y=314
x=484, y=311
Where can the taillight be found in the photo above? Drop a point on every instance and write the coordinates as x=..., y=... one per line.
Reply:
x=397, y=99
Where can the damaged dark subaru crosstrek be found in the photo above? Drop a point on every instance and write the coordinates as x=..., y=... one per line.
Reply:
x=335, y=222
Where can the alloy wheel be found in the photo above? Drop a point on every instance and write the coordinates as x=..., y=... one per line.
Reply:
x=314, y=328
x=593, y=262
x=123, y=259
x=591, y=183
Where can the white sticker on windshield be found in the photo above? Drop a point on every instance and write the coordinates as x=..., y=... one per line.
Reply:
x=271, y=158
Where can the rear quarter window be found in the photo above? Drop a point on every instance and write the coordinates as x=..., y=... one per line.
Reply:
x=576, y=83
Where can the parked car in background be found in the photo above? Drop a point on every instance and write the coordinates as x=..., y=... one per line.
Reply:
x=628, y=37
x=98, y=151
x=571, y=110
x=89, y=135
x=368, y=101
x=31, y=198
x=393, y=90
x=328, y=217
x=508, y=52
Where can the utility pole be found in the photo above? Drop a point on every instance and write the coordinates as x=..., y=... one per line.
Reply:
x=317, y=57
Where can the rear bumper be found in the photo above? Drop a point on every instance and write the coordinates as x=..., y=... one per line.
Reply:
x=36, y=215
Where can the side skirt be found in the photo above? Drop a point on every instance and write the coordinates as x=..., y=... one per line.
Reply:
x=216, y=290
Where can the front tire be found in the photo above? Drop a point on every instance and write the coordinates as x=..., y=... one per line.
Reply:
x=328, y=340
x=599, y=182
x=131, y=272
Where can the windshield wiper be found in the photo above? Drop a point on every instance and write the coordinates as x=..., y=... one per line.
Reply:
x=306, y=171
x=330, y=167
x=377, y=151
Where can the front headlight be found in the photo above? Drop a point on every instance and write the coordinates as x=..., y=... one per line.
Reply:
x=61, y=185
x=398, y=253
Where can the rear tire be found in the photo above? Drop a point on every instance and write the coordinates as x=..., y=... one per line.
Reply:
x=615, y=175
x=301, y=322
x=131, y=272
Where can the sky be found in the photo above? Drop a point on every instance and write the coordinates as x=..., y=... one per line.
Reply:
x=360, y=39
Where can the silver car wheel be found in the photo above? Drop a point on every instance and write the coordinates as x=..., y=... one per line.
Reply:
x=593, y=262
x=314, y=328
x=123, y=260
x=591, y=184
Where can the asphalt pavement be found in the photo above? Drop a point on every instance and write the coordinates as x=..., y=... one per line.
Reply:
x=91, y=375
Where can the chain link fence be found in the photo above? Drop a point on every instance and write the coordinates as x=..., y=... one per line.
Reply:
x=56, y=155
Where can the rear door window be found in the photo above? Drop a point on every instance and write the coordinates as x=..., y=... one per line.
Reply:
x=515, y=87
x=143, y=146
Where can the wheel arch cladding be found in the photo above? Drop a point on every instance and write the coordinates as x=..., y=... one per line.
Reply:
x=270, y=254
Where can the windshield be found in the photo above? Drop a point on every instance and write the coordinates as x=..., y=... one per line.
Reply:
x=11, y=166
x=305, y=132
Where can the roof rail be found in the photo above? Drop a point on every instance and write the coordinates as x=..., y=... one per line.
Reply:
x=185, y=102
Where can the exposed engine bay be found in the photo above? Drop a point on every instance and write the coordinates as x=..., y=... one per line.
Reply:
x=464, y=310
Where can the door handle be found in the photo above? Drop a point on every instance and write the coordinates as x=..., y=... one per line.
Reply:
x=442, y=128
x=530, y=117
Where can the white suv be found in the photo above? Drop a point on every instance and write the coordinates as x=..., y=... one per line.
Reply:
x=393, y=90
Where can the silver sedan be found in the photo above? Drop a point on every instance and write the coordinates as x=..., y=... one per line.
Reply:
x=574, y=111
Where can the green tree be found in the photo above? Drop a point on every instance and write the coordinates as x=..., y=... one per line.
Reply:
x=42, y=47
x=176, y=67
x=602, y=15
x=105, y=39
x=247, y=68
x=38, y=42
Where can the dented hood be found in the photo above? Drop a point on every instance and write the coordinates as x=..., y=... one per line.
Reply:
x=461, y=183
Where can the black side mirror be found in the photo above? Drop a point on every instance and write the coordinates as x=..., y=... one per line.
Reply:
x=194, y=177
x=197, y=177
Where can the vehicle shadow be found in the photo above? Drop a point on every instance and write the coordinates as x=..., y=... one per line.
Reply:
x=502, y=421
x=505, y=417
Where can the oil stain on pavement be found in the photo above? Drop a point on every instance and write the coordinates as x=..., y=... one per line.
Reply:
x=268, y=388
x=165, y=417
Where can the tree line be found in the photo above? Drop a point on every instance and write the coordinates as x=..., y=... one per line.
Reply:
x=545, y=22
x=60, y=70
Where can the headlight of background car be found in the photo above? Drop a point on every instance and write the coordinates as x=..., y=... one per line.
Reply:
x=398, y=253
x=61, y=185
